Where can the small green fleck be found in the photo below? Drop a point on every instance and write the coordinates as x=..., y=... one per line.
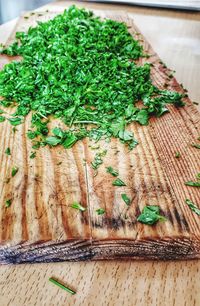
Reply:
x=126, y=199
x=55, y=282
x=118, y=182
x=7, y=151
x=14, y=171
x=33, y=155
x=177, y=154
x=2, y=118
x=195, y=145
x=100, y=211
x=15, y=121
x=8, y=203
x=78, y=206
x=112, y=171
x=192, y=206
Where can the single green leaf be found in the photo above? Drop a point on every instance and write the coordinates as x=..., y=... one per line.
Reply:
x=33, y=155
x=69, y=141
x=195, y=145
x=100, y=211
x=177, y=155
x=118, y=182
x=126, y=199
x=150, y=215
x=192, y=206
x=7, y=151
x=2, y=118
x=78, y=206
x=15, y=120
x=53, y=140
x=14, y=171
x=112, y=171
x=192, y=184
x=8, y=203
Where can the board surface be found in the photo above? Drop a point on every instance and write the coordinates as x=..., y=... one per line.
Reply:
x=40, y=225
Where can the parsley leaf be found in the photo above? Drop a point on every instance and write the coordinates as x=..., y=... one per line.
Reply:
x=78, y=206
x=192, y=206
x=33, y=155
x=192, y=184
x=118, y=182
x=100, y=211
x=8, y=203
x=7, y=151
x=150, y=215
x=14, y=171
x=126, y=199
x=112, y=171
x=15, y=121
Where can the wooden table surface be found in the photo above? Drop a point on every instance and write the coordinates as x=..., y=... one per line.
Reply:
x=175, y=37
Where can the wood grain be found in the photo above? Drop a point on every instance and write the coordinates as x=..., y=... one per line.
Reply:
x=41, y=226
x=115, y=282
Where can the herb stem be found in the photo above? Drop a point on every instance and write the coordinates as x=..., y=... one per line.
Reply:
x=55, y=282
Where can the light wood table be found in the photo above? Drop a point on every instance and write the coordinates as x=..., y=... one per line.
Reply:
x=175, y=36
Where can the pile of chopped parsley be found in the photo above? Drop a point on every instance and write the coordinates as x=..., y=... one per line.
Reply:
x=84, y=71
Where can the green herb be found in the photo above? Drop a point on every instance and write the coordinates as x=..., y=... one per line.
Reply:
x=100, y=211
x=2, y=118
x=7, y=151
x=8, y=203
x=53, y=141
x=78, y=206
x=33, y=155
x=15, y=121
x=14, y=171
x=150, y=215
x=98, y=159
x=112, y=171
x=195, y=145
x=126, y=199
x=192, y=184
x=177, y=155
x=84, y=71
x=192, y=206
x=118, y=182
x=55, y=282
x=1, y=111
x=198, y=176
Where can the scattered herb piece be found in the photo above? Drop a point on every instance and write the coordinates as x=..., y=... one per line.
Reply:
x=126, y=199
x=112, y=171
x=150, y=215
x=78, y=206
x=192, y=206
x=8, y=203
x=59, y=163
x=14, y=171
x=195, y=103
x=33, y=155
x=7, y=151
x=118, y=182
x=55, y=282
x=98, y=159
x=192, y=184
x=2, y=118
x=100, y=211
x=195, y=145
x=15, y=121
x=177, y=154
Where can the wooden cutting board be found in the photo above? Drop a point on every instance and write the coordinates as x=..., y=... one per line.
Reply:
x=41, y=226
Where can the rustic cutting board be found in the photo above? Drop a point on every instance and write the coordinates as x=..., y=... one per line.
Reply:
x=41, y=226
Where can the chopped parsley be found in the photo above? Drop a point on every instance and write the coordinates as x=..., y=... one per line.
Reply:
x=126, y=199
x=100, y=211
x=192, y=206
x=14, y=171
x=112, y=171
x=118, y=182
x=33, y=155
x=195, y=145
x=8, y=203
x=55, y=282
x=83, y=71
x=78, y=206
x=150, y=215
x=2, y=118
x=177, y=154
x=98, y=159
x=7, y=151
x=192, y=184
